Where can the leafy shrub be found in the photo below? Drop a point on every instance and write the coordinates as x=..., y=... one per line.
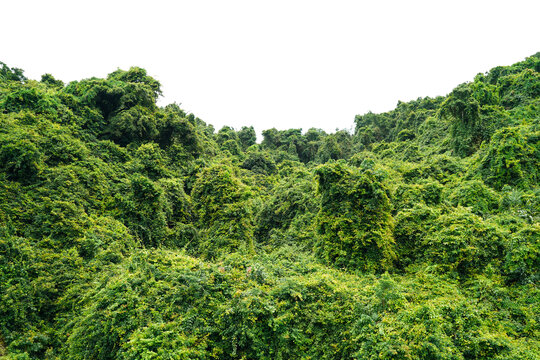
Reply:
x=412, y=226
x=512, y=157
x=260, y=163
x=522, y=260
x=142, y=207
x=476, y=195
x=462, y=243
x=290, y=201
x=427, y=192
x=219, y=200
x=20, y=157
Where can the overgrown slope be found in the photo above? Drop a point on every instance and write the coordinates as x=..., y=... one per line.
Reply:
x=132, y=231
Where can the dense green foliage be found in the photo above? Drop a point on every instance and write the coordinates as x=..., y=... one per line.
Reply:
x=354, y=219
x=133, y=231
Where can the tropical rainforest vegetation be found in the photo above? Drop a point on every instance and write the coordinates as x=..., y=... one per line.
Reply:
x=130, y=230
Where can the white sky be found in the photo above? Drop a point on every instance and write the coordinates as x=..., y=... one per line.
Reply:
x=283, y=64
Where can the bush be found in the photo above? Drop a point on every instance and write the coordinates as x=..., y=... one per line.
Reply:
x=522, y=260
x=220, y=201
x=476, y=195
x=412, y=226
x=461, y=243
x=512, y=158
x=20, y=158
x=142, y=207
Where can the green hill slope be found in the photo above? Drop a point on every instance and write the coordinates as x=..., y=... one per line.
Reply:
x=132, y=231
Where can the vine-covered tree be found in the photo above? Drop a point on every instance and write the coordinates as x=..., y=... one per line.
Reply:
x=354, y=219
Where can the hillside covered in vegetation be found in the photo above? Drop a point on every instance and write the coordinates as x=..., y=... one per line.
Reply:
x=133, y=231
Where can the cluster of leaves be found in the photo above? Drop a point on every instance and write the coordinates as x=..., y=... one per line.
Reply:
x=133, y=231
